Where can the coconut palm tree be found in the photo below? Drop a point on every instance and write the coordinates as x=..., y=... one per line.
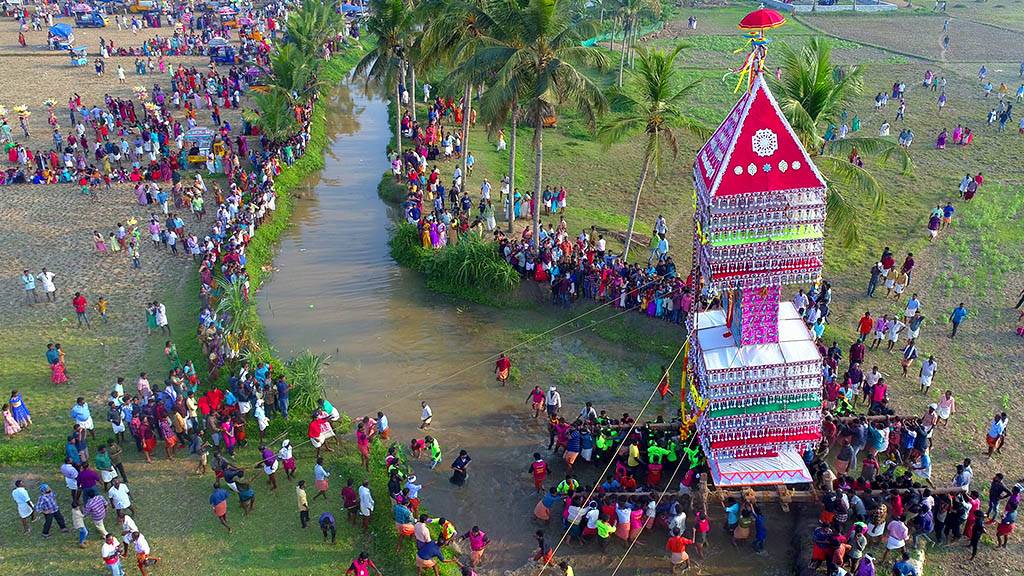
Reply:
x=629, y=13
x=238, y=313
x=653, y=103
x=389, y=22
x=813, y=93
x=500, y=19
x=451, y=34
x=294, y=73
x=312, y=25
x=544, y=68
x=274, y=115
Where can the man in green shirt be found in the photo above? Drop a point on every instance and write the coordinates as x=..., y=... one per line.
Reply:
x=104, y=467
x=604, y=531
x=435, y=451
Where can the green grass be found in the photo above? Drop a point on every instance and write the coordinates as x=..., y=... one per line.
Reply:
x=190, y=540
x=729, y=44
x=987, y=236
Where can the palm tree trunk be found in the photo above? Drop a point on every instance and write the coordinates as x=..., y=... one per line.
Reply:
x=404, y=77
x=629, y=44
x=411, y=87
x=467, y=96
x=512, y=169
x=636, y=205
x=622, y=53
x=398, y=117
x=635, y=29
x=538, y=169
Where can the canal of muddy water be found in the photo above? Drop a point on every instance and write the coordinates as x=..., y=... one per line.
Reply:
x=336, y=291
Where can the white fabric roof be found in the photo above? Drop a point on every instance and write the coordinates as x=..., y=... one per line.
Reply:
x=721, y=352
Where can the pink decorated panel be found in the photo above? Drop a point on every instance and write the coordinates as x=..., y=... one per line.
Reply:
x=760, y=316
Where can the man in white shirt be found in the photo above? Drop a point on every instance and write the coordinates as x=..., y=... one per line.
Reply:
x=928, y=369
x=426, y=415
x=46, y=279
x=161, y=318
x=118, y=495
x=365, y=504
x=26, y=510
x=426, y=92
x=593, y=514
x=127, y=524
x=800, y=301
x=552, y=401
x=893, y=334
x=142, y=551
x=111, y=554
x=660, y=226
x=485, y=190
x=70, y=473
x=588, y=413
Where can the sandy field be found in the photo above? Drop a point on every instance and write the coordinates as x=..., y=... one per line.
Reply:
x=52, y=225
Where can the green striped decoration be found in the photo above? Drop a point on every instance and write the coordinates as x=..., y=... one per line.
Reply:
x=798, y=233
x=762, y=408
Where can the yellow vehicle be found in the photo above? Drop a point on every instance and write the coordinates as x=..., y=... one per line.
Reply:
x=138, y=6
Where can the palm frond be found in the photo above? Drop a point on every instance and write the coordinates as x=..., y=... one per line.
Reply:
x=849, y=176
x=842, y=218
x=886, y=150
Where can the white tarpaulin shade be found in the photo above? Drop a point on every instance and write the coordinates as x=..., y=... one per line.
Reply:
x=785, y=468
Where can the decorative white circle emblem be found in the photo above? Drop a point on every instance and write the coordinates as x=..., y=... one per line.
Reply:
x=751, y=169
x=795, y=165
x=764, y=142
x=738, y=170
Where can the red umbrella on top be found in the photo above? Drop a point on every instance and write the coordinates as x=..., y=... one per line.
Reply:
x=762, y=19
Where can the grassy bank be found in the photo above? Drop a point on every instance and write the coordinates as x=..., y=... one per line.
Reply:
x=470, y=269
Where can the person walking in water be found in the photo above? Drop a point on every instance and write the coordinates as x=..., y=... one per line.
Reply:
x=502, y=368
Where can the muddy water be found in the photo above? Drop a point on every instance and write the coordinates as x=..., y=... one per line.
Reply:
x=337, y=291
x=392, y=344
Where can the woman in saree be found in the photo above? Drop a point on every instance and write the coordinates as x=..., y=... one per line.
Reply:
x=425, y=237
x=442, y=235
x=434, y=238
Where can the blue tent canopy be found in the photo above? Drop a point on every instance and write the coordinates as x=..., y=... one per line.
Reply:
x=62, y=30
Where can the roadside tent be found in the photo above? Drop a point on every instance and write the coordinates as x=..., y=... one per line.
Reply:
x=61, y=30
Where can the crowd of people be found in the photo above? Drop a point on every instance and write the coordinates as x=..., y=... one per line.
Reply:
x=643, y=459
x=148, y=148
x=179, y=416
x=572, y=267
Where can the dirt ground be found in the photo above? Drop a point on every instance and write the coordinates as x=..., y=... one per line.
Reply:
x=970, y=41
x=51, y=226
x=35, y=74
